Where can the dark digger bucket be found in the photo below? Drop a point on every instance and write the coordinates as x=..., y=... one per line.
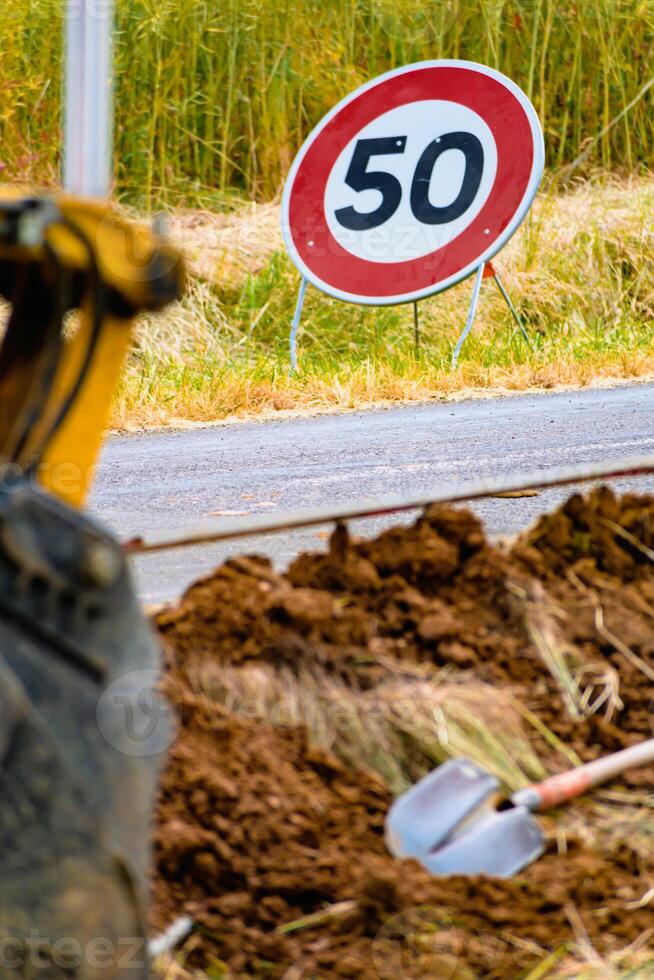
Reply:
x=77, y=777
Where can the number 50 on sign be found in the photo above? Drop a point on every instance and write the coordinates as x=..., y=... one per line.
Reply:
x=412, y=182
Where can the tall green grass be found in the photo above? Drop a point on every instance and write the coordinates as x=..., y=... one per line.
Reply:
x=215, y=96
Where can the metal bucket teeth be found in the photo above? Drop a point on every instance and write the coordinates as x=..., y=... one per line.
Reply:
x=499, y=844
x=427, y=814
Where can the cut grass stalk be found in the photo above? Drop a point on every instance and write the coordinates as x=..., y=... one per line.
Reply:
x=562, y=659
x=399, y=729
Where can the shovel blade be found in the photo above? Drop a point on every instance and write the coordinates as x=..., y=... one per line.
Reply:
x=431, y=811
x=499, y=844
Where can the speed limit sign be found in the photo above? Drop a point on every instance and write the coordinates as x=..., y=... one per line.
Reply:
x=412, y=182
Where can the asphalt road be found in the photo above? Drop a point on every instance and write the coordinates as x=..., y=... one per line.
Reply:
x=149, y=482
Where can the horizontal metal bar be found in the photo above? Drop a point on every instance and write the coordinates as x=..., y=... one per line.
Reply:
x=557, y=476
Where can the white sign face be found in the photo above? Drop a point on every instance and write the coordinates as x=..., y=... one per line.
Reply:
x=455, y=190
x=412, y=182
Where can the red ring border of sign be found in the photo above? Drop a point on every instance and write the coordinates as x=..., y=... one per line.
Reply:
x=302, y=201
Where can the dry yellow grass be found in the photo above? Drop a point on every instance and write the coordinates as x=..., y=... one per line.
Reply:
x=225, y=248
x=579, y=270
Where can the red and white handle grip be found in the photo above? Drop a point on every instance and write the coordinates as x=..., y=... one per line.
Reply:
x=568, y=785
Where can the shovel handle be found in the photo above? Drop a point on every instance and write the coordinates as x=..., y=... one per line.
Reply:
x=568, y=785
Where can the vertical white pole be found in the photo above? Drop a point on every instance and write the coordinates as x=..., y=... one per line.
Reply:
x=88, y=98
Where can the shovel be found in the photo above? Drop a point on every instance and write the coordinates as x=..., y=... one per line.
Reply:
x=455, y=823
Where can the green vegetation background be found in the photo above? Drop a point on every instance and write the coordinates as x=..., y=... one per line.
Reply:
x=213, y=98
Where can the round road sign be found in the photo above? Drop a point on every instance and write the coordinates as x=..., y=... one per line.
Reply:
x=412, y=181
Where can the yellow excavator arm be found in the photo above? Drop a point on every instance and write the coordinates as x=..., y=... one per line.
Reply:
x=58, y=254
x=78, y=659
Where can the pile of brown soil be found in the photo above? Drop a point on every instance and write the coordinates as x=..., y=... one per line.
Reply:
x=258, y=829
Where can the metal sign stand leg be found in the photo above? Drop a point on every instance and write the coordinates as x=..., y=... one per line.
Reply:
x=416, y=327
x=297, y=316
x=481, y=274
x=292, y=340
x=514, y=312
x=471, y=315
